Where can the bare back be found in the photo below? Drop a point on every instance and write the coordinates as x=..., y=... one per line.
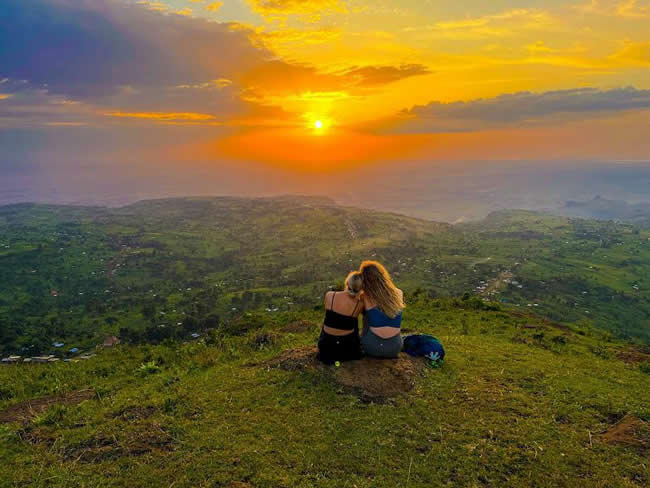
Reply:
x=344, y=304
x=383, y=332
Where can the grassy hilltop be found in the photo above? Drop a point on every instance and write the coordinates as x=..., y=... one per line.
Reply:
x=543, y=318
x=519, y=401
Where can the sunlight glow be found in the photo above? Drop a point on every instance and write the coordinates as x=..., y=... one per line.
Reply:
x=318, y=124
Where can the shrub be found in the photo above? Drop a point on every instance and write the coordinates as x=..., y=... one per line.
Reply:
x=601, y=351
x=52, y=416
x=559, y=340
x=148, y=368
x=645, y=367
x=6, y=393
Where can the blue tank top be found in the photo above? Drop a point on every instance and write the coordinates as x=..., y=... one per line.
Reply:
x=377, y=318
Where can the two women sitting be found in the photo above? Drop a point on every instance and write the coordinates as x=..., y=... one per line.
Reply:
x=369, y=292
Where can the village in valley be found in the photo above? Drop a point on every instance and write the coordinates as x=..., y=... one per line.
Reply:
x=71, y=355
x=172, y=269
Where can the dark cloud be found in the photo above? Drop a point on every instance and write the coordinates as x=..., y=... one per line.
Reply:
x=86, y=48
x=523, y=107
x=381, y=75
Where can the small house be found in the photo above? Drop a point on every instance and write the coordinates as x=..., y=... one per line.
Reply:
x=110, y=341
x=42, y=359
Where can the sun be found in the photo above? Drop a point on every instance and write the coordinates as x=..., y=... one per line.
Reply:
x=318, y=124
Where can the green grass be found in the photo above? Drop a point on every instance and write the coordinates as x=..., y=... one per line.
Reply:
x=508, y=408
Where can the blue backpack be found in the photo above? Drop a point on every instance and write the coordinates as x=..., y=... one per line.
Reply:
x=424, y=346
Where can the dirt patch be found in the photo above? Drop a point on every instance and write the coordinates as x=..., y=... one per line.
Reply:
x=147, y=438
x=379, y=379
x=537, y=322
x=633, y=356
x=370, y=379
x=630, y=431
x=133, y=414
x=24, y=412
x=296, y=359
x=299, y=326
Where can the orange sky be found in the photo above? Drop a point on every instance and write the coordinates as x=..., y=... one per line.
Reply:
x=389, y=80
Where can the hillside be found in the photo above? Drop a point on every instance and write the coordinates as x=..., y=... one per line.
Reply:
x=166, y=269
x=218, y=302
x=519, y=401
x=605, y=209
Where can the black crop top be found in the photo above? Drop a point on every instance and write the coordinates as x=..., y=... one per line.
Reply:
x=339, y=321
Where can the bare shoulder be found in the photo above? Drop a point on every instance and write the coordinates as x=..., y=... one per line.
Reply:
x=328, y=299
x=401, y=293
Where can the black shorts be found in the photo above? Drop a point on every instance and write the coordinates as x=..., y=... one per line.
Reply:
x=333, y=348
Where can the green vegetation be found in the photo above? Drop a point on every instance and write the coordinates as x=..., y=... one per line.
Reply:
x=519, y=401
x=166, y=269
x=218, y=301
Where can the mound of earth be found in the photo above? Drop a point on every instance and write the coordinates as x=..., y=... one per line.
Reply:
x=630, y=431
x=24, y=412
x=371, y=379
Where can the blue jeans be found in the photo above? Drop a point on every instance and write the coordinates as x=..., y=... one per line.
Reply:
x=375, y=346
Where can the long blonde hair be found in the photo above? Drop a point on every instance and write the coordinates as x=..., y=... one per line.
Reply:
x=354, y=283
x=380, y=288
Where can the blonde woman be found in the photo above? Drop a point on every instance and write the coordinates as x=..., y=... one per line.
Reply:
x=383, y=303
x=339, y=338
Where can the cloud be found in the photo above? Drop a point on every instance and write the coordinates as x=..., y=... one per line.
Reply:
x=381, y=75
x=86, y=48
x=634, y=9
x=503, y=24
x=285, y=36
x=310, y=10
x=523, y=108
x=631, y=9
x=214, y=6
x=165, y=117
x=632, y=54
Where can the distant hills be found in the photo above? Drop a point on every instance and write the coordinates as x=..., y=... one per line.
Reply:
x=604, y=209
x=166, y=269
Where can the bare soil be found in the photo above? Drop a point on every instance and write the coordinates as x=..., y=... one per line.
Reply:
x=371, y=379
x=24, y=412
x=630, y=431
x=299, y=326
x=633, y=356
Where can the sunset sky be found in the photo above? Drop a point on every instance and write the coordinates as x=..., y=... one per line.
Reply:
x=312, y=84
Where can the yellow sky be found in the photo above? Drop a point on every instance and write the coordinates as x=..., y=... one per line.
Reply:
x=483, y=49
x=371, y=71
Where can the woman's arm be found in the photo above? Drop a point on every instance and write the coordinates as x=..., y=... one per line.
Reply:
x=328, y=299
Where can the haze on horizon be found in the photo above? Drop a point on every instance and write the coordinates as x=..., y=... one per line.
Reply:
x=442, y=110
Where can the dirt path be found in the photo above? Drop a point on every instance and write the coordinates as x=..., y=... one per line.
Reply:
x=498, y=283
x=352, y=229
